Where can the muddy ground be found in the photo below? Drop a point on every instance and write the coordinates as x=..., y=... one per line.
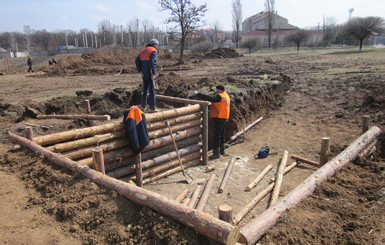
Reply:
x=303, y=98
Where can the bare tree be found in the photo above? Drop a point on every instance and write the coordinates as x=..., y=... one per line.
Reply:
x=362, y=28
x=329, y=29
x=216, y=28
x=203, y=47
x=298, y=37
x=237, y=20
x=27, y=32
x=186, y=15
x=270, y=11
x=250, y=43
x=13, y=44
x=105, y=30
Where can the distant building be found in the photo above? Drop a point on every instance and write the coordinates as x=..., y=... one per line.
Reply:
x=260, y=22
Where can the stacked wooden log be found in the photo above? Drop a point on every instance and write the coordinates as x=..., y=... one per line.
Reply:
x=119, y=158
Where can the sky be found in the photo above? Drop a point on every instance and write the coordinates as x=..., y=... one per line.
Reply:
x=52, y=15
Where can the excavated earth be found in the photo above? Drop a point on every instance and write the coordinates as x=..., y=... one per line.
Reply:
x=302, y=98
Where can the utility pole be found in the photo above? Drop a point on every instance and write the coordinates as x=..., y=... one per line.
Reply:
x=350, y=12
x=121, y=33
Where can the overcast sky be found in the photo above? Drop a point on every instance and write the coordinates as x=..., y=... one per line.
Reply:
x=75, y=15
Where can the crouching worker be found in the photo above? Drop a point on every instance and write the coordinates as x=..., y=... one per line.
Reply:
x=136, y=127
x=220, y=112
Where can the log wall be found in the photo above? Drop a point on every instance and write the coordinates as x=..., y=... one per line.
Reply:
x=188, y=129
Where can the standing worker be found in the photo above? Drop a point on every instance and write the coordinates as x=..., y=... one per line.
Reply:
x=146, y=66
x=220, y=112
x=29, y=63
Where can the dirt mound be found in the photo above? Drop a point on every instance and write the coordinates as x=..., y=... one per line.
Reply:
x=102, y=61
x=222, y=53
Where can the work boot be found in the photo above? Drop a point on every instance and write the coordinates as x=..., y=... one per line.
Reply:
x=222, y=151
x=215, y=154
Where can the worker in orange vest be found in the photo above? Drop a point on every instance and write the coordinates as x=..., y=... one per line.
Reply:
x=146, y=66
x=220, y=113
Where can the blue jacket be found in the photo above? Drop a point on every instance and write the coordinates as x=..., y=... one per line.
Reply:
x=146, y=61
x=136, y=128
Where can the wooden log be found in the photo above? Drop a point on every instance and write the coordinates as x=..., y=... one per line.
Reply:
x=95, y=140
x=205, y=134
x=279, y=178
x=365, y=123
x=97, y=156
x=171, y=171
x=304, y=160
x=287, y=169
x=163, y=115
x=201, y=222
x=151, y=154
x=87, y=105
x=78, y=133
x=138, y=167
x=87, y=151
x=162, y=167
x=227, y=173
x=241, y=214
x=259, y=178
x=155, y=143
x=225, y=213
x=173, y=121
x=206, y=193
x=182, y=195
x=195, y=197
x=369, y=150
x=186, y=201
x=325, y=150
x=255, y=229
x=181, y=100
x=245, y=129
x=29, y=133
x=209, y=169
x=74, y=116
x=119, y=172
x=165, y=131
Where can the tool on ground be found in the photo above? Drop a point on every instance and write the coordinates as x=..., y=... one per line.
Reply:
x=177, y=152
x=264, y=152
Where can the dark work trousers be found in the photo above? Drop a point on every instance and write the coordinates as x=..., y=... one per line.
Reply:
x=219, y=132
x=148, y=86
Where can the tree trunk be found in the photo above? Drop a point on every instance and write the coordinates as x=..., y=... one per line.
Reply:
x=279, y=178
x=85, y=116
x=255, y=229
x=206, y=193
x=229, y=168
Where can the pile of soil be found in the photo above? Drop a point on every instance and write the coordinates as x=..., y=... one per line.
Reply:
x=222, y=53
x=101, y=62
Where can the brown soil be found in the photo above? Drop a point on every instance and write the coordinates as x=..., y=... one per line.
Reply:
x=327, y=94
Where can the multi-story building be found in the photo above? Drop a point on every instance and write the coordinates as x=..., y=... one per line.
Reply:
x=260, y=22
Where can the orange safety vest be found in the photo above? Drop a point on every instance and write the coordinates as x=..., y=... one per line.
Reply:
x=221, y=109
x=145, y=54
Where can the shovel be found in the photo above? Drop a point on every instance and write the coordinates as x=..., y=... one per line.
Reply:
x=177, y=152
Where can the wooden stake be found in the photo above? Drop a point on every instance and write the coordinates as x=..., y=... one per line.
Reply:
x=194, y=198
x=259, y=178
x=205, y=134
x=226, y=175
x=205, y=194
x=138, y=167
x=98, y=159
x=304, y=160
x=279, y=178
x=225, y=213
x=182, y=195
x=365, y=123
x=325, y=149
x=29, y=133
x=88, y=106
